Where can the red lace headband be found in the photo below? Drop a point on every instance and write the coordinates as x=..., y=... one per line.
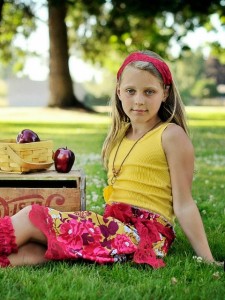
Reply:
x=158, y=64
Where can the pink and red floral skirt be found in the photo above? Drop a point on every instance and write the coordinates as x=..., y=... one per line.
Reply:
x=122, y=233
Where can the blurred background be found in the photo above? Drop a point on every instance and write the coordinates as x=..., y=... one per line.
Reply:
x=65, y=54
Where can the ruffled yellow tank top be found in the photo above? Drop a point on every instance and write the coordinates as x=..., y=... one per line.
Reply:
x=144, y=180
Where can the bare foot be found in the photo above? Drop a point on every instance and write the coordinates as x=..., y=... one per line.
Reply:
x=28, y=254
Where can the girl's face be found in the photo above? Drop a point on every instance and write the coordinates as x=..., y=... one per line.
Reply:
x=141, y=95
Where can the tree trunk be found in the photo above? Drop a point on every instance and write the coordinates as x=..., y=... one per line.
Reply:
x=1, y=7
x=60, y=82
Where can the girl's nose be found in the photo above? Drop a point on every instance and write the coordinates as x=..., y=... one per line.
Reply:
x=139, y=100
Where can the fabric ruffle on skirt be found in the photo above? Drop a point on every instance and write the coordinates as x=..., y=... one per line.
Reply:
x=122, y=233
x=7, y=237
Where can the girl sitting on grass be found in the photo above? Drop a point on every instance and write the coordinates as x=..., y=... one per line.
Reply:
x=150, y=163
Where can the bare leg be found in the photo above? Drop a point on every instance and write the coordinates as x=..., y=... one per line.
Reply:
x=28, y=254
x=24, y=230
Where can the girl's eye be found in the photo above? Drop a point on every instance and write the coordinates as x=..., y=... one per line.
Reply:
x=149, y=92
x=130, y=91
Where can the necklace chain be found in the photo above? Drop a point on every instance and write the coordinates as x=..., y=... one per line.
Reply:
x=117, y=172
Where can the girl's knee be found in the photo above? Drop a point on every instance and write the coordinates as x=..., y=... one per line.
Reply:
x=27, y=208
x=24, y=229
x=22, y=215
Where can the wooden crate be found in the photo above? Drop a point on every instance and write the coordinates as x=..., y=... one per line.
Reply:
x=62, y=191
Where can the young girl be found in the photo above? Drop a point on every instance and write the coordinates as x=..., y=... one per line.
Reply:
x=150, y=164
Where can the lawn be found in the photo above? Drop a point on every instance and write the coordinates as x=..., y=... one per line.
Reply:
x=183, y=277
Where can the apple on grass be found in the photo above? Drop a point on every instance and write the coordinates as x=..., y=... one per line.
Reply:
x=64, y=159
x=27, y=136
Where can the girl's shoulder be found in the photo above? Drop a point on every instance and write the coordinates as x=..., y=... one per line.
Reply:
x=173, y=130
x=170, y=130
x=175, y=136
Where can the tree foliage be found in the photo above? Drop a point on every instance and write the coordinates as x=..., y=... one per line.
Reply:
x=216, y=70
x=205, y=88
x=16, y=18
x=102, y=29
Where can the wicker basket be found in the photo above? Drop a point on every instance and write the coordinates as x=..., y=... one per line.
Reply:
x=25, y=158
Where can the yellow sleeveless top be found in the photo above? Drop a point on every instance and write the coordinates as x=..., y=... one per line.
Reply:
x=144, y=180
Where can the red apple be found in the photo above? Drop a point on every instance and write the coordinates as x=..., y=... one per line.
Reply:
x=27, y=136
x=63, y=159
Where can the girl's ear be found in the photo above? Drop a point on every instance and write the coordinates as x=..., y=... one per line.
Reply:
x=118, y=91
x=166, y=93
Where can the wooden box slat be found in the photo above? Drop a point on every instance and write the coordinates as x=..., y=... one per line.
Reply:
x=62, y=191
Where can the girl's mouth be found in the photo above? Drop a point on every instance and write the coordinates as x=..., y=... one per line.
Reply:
x=139, y=110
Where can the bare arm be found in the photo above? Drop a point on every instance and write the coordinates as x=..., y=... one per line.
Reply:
x=180, y=156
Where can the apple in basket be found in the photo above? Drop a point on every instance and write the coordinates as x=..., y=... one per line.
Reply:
x=63, y=159
x=27, y=136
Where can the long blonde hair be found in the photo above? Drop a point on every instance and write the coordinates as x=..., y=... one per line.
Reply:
x=172, y=110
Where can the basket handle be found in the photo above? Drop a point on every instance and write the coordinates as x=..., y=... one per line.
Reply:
x=23, y=163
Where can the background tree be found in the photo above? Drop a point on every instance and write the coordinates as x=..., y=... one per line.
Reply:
x=188, y=70
x=215, y=70
x=205, y=88
x=101, y=31
x=60, y=82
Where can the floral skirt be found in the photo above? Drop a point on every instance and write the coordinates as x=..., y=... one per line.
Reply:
x=122, y=233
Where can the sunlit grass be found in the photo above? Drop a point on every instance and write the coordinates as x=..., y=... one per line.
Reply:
x=52, y=131
x=206, y=112
x=206, y=123
x=52, y=116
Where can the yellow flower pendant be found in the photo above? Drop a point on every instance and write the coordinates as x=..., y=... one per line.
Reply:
x=107, y=191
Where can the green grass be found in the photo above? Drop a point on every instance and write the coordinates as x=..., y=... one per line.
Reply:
x=183, y=277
